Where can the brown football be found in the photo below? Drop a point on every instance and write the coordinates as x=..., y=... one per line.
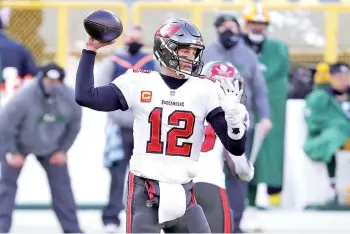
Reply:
x=103, y=25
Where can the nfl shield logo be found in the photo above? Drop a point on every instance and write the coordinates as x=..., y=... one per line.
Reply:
x=172, y=92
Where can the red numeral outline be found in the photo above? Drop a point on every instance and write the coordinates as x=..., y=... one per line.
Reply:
x=155, y=145
x=209, y=140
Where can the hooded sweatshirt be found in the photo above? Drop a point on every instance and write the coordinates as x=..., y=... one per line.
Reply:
x=31, y=123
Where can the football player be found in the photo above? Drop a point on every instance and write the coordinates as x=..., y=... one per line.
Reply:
x=169, y=111
x=210, y=191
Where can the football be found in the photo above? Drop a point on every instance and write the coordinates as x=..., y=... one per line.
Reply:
x=103, y=25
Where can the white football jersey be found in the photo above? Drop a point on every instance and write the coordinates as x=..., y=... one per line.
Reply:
x=168, y=124
x=211, y=160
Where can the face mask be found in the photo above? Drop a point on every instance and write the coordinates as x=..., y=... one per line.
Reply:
x=134, y=47
x=256, y=38
x=52, y=88
x=229, y=39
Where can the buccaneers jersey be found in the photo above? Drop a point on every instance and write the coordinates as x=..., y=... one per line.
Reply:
x=211, y=161
x=168, y=124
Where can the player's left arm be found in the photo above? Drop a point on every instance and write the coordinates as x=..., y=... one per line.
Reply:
x=217, y=120
x=229, y=120
x=230, y=125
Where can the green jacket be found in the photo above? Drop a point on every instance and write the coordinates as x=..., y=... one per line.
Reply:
x=274, y=61
x=328, y=126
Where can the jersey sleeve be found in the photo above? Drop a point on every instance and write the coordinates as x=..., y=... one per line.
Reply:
x=212, y=101
x=124, y=87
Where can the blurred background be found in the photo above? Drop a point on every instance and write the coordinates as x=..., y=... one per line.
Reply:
x=317, y=35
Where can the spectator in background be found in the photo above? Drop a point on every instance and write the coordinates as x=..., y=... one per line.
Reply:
x=41, y=119
x=327, y=115
x=322, y=76
x=14, y=54
x=119, y=143
x=274, y=63
x=229, y=46
x=17, y=63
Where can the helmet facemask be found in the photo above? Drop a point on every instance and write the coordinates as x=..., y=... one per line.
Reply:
x=172, y=59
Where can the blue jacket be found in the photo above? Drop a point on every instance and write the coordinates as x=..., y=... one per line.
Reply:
x=13, y=54
x=123, y=62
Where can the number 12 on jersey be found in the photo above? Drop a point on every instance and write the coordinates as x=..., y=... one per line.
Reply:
x=172, y=147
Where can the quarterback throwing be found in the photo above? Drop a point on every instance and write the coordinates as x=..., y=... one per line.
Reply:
x=169, y=113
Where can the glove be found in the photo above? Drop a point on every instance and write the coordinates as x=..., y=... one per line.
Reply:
x=243, y=168
x=236, y=114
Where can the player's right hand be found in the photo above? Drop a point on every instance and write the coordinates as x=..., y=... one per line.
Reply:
x=93, y=44
x=15, y=160
x=231, y=89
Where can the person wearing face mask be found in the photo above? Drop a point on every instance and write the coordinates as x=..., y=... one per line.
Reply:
x=42, y=119
x=119, y=133
x=130, y=56
x=229, y=46
x=274, y=63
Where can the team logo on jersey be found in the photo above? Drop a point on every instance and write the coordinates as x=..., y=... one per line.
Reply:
x=146, y=96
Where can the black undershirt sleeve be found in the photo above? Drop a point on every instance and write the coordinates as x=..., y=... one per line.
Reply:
x=216, y=118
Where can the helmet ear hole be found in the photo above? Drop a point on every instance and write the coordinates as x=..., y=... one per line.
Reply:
x=173, y=63
x=172, y=45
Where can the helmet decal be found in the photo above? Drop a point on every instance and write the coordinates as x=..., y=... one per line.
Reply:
x=167, y=30
x=222, y=70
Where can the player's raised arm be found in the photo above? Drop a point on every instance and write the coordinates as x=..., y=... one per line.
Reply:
x=103, y=98
x=232, y=122
x=227, y=117
x=233, y=138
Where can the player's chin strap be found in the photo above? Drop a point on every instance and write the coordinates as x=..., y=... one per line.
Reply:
x=179, y=72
